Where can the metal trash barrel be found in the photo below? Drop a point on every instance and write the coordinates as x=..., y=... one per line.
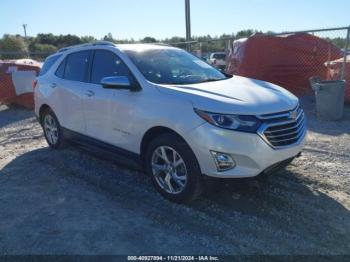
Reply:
x=329, y=98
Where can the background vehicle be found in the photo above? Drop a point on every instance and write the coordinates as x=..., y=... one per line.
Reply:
x=218, y=60
x=168, y=111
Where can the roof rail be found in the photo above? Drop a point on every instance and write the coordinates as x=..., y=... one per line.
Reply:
x=103, y=43
x=160, y=44
x=86, y=44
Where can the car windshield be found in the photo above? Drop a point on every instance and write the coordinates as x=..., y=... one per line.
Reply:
x=173, y=66
x=220, y=56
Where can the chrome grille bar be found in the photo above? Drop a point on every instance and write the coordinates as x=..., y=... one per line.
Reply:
x=301, y=125
x=288, y=139
x=280, y=131
x=285, y=122
x=299, y=122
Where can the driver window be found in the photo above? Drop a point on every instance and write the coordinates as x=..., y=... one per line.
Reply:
x=107, y=64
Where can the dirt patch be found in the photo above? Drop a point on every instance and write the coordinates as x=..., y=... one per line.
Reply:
x=70, y=202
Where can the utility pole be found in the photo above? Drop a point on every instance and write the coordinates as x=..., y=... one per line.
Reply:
x=188, y=23
x=25, y=31
x=25, y=39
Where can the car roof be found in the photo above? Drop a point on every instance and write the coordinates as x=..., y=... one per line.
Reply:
x=140, y=47
x=144, y=47
x=123, y=47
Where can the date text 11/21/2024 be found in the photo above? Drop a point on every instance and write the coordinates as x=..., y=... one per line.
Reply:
x=173, y=258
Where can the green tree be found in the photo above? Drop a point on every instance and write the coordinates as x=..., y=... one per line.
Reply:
x=338, y=41
x=48, y=39
x=67, y=40
x=87, y=39
x=149, y=39
x=109, y=37
x=12, y=47
x=246, y=33
x=41, y=51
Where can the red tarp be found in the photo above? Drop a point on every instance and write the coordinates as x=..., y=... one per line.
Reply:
x=16, y=80
x=288, y=61
x=334, y=73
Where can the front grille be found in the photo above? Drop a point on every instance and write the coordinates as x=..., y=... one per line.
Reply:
x=282, y=129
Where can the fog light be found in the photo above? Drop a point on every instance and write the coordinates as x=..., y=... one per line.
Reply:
x=223, y=161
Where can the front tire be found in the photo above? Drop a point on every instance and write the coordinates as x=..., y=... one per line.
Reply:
x=52, y=129
x=174, y=169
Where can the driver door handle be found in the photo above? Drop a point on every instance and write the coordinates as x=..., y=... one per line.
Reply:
x=89, y=93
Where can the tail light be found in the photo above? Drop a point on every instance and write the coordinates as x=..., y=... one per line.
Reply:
x=35, y=82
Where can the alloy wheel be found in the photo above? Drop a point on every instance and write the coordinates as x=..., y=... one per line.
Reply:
x=169, y=169
x=51, y=129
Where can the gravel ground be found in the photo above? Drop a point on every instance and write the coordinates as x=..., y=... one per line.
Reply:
x=71, y=202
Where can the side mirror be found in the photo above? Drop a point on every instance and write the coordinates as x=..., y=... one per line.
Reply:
x=116, y=82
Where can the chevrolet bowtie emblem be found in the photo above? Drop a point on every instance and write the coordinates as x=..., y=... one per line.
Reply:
x=293, y=114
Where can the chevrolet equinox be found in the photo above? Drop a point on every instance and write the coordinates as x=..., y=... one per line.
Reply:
x=169, y=111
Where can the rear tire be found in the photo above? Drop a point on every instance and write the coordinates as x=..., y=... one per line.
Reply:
x=173, y=168
x=52, y=129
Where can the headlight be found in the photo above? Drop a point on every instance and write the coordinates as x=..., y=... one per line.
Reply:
x=243, y=123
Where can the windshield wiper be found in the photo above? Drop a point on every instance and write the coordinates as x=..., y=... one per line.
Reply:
x=203, y=81
x=211, y=80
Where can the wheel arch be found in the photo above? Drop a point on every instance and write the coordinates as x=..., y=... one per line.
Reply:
x=151, y=134
x=42, y=109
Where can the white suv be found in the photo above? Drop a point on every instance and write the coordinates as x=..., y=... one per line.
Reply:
x=218, y=60
x=169, y=111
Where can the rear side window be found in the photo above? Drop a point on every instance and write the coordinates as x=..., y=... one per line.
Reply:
x=106, y=64
x=76, y=66
x=60, y=69
x=48, y=64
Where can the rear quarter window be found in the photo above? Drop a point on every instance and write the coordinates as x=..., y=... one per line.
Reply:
x=60, y=70
x=48, y=64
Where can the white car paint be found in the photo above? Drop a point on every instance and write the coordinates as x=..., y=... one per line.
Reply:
x=121, y=118
x=216, y=62
x=237, y=95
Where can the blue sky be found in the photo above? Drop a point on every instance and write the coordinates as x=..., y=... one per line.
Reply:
x=165, y=18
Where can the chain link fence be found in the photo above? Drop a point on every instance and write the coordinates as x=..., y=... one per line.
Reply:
x=336, y=66
x=337, y=37
x=203, y=48
x=38, y=56
x=288, y=59
x=330, y=46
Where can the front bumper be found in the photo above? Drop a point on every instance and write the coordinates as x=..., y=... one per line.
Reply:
x=250, y=152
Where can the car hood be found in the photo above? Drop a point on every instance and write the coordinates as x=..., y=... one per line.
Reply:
x=237, y=95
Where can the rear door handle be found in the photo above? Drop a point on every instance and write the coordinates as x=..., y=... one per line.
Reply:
x=53, y=85
x=89, y=93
